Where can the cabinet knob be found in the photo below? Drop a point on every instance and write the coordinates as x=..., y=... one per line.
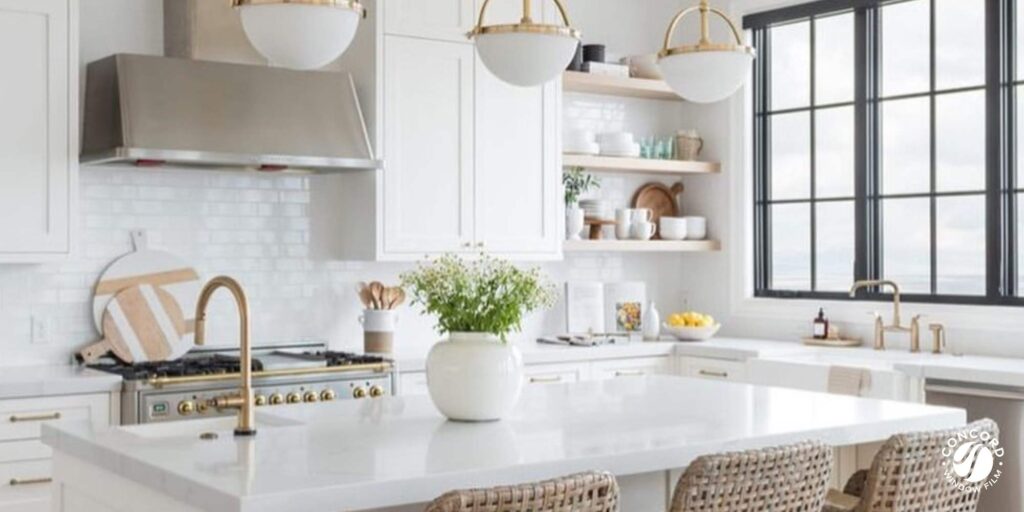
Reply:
x=480, y=245
x=294, y=398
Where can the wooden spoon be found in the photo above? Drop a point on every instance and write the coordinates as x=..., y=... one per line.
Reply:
x=377, y=292
x=399, y=297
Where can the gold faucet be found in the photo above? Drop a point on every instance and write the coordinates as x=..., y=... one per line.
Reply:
x=896, y=326
x=243, y=401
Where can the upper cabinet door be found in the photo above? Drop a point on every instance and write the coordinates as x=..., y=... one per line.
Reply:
x=518, y=209
x=38, y=55
x=428, y=147
x=448, y=20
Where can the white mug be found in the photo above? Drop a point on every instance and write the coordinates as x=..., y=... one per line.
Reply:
x=696, y=228
x=643, y=230
x=623, y=223
x=642, y=215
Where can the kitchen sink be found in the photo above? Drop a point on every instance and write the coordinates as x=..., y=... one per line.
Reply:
x=810, y=371
x=223, y=426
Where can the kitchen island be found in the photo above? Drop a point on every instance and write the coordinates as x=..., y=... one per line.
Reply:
x=395, y=453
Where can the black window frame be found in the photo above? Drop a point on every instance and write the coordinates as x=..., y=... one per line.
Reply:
x=1001, y=190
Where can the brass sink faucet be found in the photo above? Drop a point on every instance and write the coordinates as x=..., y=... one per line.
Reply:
x=896, y=326
x=243, y=401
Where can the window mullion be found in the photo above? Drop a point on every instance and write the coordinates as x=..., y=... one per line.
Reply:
x=814, y=168
x=1000, y=205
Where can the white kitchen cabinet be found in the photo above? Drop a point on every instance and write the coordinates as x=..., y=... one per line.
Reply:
x=518, y=171
x=38, y=135
x=25, y=467
x=556, y=373
x=428, y=126
x=717, y=369
x=634, y=367
x=447, y=20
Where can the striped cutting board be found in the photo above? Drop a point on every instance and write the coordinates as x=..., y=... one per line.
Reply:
x=141, y=323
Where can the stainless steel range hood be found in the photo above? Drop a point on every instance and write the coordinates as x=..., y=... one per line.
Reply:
x=147, y=110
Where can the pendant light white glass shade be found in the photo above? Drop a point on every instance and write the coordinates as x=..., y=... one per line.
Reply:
x=300, y=35
x=526, y=59
x=706, y=76
x=526, y=54
x=705, y=72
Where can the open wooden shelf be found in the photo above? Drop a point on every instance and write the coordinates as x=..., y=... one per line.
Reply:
x=574, y=81
x=640, y=165
x=640, y=246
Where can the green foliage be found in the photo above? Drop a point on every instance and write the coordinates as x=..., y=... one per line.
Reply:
x=486, y=295
x=577, y=183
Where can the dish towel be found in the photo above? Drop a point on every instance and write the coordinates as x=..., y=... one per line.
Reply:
x=843, y=380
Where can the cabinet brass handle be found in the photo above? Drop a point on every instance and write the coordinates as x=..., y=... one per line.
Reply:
x=35, y=417
x=709, y=373
x=30, y=481
x=629, y=373
x=545, y=380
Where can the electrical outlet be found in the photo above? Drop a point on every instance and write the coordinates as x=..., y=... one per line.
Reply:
x=42, y=329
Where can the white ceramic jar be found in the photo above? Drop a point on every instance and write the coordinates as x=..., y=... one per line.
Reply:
x=474, y=377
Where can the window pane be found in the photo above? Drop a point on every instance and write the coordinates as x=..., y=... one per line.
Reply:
x=906, y=243
x=791, y=156
x=906, y=150
x=833, y=59
x=1020, y=135
x=960, y=242
x=905, y=47
x=959, y=43
x=835, y=245
x=1020, y=245
x=791, y=247
x=834, y=157
x=791, y=65
x=960, y=141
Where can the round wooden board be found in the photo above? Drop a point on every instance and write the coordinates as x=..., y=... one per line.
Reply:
x=144, y=323
x=661, y=200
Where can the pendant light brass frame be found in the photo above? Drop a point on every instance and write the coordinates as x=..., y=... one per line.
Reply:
x=526, y=25
x=351, y=5
x=705, y=44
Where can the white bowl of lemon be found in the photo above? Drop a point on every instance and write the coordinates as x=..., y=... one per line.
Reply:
x=691, y=326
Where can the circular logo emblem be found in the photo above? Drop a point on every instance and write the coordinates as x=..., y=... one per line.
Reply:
x=973, y=460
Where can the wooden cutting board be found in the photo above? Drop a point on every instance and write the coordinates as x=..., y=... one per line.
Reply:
x=160, y=269
x=141, y=323
x=661, y=200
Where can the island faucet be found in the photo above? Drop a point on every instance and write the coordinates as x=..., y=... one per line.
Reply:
x=243, y=400
x=896, y=326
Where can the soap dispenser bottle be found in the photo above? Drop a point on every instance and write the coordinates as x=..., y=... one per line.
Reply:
x=821, y=325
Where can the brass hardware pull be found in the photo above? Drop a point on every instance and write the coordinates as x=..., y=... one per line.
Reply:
x=35, y=417
x=30, y=481
x=629, y=373
x=284, y=372
x=545, y=380
x=710, y=373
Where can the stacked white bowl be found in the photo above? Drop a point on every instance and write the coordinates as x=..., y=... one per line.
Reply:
x=596, y=208
x=580, y=142
x=619, y=144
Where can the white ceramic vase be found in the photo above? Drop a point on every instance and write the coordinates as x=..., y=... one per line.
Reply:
x=474, y=377
x=574, y=222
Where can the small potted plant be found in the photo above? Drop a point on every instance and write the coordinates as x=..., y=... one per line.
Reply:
x=576, y=183
x=476, y=374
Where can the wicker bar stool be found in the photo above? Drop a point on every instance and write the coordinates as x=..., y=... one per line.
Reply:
x=790, y=478
x=907, y=475
x=583, y=492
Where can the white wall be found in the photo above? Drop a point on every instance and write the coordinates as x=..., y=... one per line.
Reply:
x=257, y=227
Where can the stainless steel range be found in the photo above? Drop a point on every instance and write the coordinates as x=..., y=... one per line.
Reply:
x=282, y=375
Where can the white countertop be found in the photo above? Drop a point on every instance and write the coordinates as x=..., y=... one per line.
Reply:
x=32, y=381
x=397, y=450
x=541, y=353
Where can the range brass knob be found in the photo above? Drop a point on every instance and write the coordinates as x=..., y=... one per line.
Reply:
x=201, y=407
x=310, y=396
x=376, y=391
x=327, y=395
x=359, y=393
x=261, y=400
x=294, y=398
x=186, y=407
x=276, y=399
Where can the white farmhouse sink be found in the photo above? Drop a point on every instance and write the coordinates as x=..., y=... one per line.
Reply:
x=810, y=371
x=222, y=426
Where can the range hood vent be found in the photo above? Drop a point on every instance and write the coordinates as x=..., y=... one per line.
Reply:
x=147, y=110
